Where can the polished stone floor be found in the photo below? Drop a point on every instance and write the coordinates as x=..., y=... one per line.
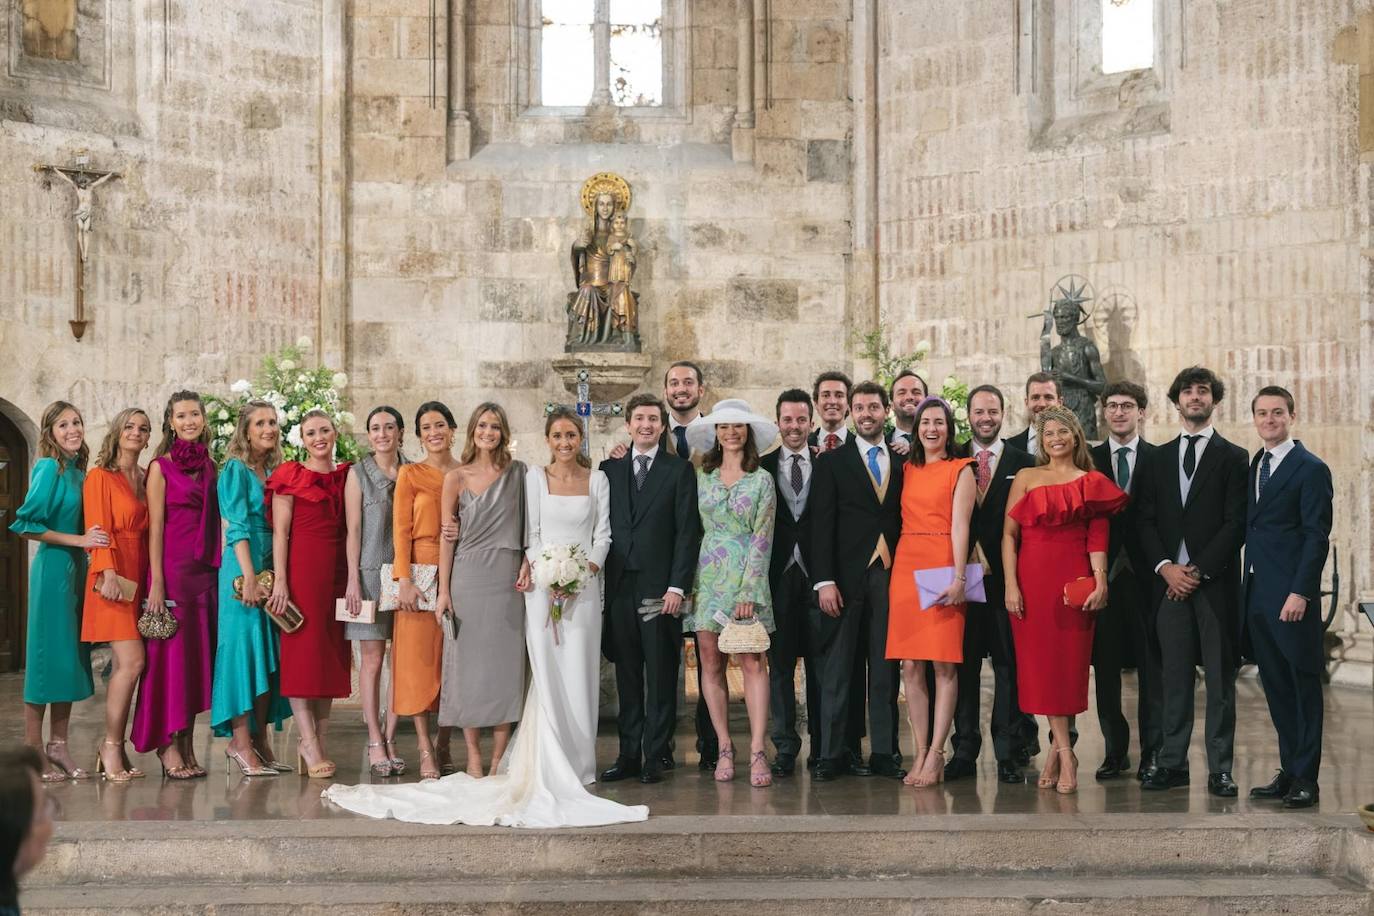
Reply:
x=1347, y=774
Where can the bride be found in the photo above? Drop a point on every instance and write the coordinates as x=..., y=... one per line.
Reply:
x=539, y=783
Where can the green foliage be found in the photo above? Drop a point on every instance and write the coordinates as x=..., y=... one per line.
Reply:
x=877, y=349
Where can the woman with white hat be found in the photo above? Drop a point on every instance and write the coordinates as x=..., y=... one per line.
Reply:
x=737, y=501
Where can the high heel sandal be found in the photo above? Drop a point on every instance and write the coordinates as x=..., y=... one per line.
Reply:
x=1050, y=774
x=102, y=771
x=246, y=768
x=756, y=779
x=1062, y=787
x=398, y=763
x=133, y=771
x=268, y=760
x=725, y=764
x=433, y=772
x=379, y=769
x=177, y=772
x=910, y=778
x=444, y=754
x=322, y=770
x=68, y=772
x=939, y=772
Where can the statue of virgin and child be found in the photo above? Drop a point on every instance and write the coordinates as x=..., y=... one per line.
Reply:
x=603, y=312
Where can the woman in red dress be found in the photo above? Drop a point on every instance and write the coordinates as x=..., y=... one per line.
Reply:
x=1055, y=533
x=306, y=508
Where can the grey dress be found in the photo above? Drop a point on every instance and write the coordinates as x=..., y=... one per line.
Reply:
x=484, y=669
x=377, y=547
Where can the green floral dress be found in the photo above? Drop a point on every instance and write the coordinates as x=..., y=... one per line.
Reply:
x=736, y=546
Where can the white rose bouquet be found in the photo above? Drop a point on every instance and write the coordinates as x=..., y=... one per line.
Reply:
x=562, y=571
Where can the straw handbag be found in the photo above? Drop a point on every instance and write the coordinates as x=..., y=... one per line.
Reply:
x=743, y=637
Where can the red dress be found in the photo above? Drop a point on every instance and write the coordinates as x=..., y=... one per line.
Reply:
x=1060, y=525
x=315, y=660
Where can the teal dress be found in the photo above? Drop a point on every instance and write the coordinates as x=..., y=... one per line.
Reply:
x=247, y=651
x=736, y=548
x=58, y=663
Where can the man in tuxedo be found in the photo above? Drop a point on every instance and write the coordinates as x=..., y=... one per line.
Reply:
x=1288, y=528
x=1125, y=627
x=831, y=395
x=1042, y=390
x=856, y=493
x=789, y=581
x=655, y=533
x=987, y=629
x=907, y=391
x=1192, y=523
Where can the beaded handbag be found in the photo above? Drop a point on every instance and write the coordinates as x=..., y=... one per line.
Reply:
x=740, y=637
x=156, y=622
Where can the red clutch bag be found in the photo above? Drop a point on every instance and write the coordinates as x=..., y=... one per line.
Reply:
x=1077, y=592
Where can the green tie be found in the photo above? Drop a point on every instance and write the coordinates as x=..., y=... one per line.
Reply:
x=1123, y=467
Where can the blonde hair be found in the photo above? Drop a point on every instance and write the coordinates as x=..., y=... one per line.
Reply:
x=1082, y=458
x=47, y=442
x=108, y=455
x=169, y=435
x=239, y=447
x=502, y=456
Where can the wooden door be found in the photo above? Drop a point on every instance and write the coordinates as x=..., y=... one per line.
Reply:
x=14, y=550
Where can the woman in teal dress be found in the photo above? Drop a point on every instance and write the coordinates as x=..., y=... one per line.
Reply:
x=245, y=695
x=58, y=664
x=737, y=502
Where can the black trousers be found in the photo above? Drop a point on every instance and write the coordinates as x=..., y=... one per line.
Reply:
x=792, y=607
x=987, y=632
x=1123, y=634
x=863, y=622
x=646, y=660
x=1292, y=685
x=1191, y=632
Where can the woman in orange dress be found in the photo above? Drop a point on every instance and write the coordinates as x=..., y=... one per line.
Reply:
x=937, y=501
x=1056, y=532
x=113, y=497
x=417, y=642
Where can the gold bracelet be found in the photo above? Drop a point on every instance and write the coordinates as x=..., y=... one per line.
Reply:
x=1103, y=571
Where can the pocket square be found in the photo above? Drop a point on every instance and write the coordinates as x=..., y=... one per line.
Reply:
x=931, y=583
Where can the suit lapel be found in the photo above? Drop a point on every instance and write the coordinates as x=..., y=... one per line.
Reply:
x=1168, y=471
x=855, y=460
x=1279, y=479
x=1206, y=466
x=658, y=474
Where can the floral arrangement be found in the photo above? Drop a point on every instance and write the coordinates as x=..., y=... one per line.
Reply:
x=877, y=349
x=561, y=570
x=295, y=389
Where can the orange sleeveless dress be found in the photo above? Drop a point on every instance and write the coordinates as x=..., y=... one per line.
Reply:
x=417, y=643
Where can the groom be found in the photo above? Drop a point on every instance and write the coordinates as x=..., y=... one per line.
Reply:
x=655, y=533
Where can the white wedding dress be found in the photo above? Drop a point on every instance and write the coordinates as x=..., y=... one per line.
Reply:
x=539, y=783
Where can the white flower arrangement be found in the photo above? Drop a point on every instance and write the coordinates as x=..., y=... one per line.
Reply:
x=561, y=570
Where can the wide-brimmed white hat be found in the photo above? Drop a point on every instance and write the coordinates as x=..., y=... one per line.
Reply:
x=701, y=432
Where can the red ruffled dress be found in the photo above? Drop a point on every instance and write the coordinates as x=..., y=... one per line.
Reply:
x=1060, y=525
x=315, y=660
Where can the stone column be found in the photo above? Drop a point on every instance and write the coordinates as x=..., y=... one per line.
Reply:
x=459, y=126
x=742, y=135
x=601, y=43
x=333, y=276
x=862, y=306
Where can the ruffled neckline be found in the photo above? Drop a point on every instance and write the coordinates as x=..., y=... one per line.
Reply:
x=1086, y=497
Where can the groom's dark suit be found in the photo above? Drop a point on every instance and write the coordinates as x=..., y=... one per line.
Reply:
x=655, y=533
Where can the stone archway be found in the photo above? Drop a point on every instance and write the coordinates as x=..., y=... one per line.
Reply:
x=15, y=449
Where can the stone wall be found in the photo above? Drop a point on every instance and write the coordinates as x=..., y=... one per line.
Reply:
x=1232, y=232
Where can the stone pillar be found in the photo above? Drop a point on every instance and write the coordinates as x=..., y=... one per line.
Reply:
x=601, y=42
x=863, y=308
x=742, y=135
x=333, y=276
x=459, y=125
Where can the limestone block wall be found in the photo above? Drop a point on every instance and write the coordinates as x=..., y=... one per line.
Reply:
x=1232, y=234
x=204, y=255
x=459, y=271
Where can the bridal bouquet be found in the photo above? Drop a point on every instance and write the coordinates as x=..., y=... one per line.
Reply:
x=561, y=570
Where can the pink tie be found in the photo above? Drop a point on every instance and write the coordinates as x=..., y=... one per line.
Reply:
x=983, y=472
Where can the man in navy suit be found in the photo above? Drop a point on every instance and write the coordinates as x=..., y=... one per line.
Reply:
x=1288, y=524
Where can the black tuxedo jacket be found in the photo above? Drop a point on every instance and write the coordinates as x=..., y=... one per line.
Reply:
x=655, y=532
x=990, y=515
x=1286, y=540
x=847, y=517
x=1021, y=442
x=1125, y=525
x=1211, y=522
x=788, y=532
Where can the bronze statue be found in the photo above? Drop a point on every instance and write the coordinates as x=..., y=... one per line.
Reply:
x=603, y=312
x=1075, y=361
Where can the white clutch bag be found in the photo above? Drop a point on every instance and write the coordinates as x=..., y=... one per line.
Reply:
x=425, y=577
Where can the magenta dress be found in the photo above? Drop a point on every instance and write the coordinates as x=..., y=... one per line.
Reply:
x=177, y=679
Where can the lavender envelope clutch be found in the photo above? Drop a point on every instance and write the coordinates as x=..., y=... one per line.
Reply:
x=931, y=583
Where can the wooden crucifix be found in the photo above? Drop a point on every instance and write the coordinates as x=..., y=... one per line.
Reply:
x=84, y=181
x=586, y=409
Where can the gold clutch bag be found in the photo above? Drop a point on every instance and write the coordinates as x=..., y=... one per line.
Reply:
x=289, y=621
x=128, y=588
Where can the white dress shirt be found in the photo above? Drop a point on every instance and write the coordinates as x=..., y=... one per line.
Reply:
x=996, y=448
x=1132, y=452
x=822, y=432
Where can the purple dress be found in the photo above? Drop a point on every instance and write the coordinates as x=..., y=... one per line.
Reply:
x=178, y=676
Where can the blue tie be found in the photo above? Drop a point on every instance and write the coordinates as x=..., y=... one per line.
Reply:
x=680, y=437
x=1264, y=473
x=873, y=464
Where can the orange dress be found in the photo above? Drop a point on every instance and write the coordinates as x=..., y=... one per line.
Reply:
x=108, y=501
x=934, y=633
x=417, y=642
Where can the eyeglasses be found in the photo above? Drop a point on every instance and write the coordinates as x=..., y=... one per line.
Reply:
x=1120, y=406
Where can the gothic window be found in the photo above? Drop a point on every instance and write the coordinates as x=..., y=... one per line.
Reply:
x=602, y=52
x=1128, y=35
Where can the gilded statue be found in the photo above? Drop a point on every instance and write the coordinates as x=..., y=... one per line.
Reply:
x=603, y=312
x=1075, y=360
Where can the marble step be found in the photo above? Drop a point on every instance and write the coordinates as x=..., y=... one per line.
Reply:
x=943, y=894
x=110, y=854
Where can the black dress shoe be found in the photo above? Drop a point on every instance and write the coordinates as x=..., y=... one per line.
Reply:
x=1165, y=778
x=1222, y=785
x=1022, y=758
x=1113, y=767
x=1301, y=795
x=1276, y=789
x=651, y=775
x=621, y=769
x=854, y=763
x=708, y=761
x=811, y=762
x=826, y=771
x=668, y=763
x=1009, y=773
x=886, y=765
x=1148, y=764
x=960, y=768
x=784, y=764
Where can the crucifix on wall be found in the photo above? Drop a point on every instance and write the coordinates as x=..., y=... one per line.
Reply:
x=586, y=409
x=84, y=181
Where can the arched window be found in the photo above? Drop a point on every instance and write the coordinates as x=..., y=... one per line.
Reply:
x=1128, y=35
x=602, y=52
